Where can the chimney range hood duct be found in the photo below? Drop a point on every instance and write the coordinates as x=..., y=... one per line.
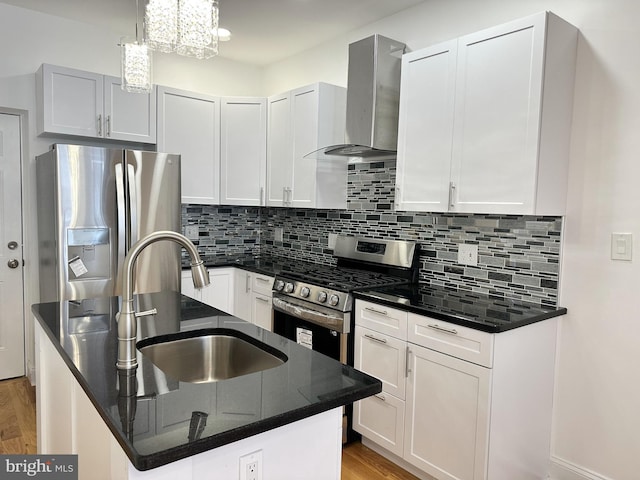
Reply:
x=373, y=98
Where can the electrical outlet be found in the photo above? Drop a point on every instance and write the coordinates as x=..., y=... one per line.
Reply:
x=279, y=234
x=191, y=232
x=251, y=466
x=331, y=243
x=468, y=254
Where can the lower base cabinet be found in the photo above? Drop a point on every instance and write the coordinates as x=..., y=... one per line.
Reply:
x=485, y=416
x=447, y=419
x=218, y=294
x=244, y=294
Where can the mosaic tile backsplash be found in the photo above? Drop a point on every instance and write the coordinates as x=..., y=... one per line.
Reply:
x=518, y=256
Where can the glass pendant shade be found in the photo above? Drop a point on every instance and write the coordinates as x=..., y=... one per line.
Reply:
x=161, y=25
x=197, y=28
x=136, y=67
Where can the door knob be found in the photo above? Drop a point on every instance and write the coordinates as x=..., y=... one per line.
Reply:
x=12, y=245
x=13, y=263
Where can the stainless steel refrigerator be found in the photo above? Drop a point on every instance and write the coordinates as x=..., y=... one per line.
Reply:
x=93, y=204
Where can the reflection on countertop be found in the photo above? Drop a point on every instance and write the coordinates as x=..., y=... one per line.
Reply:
x=151, y=414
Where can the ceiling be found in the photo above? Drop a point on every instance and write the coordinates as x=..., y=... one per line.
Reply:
x=263, y=31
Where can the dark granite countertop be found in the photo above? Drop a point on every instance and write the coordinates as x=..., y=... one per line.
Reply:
x=85, y=335
x=469, y=309
x=270, y=265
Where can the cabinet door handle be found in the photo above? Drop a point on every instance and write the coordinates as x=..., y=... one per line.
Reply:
x=108, y=128
x=379, y=340
x=452, y=195
x=261, y=196
x=262, y=299
x=264, y=280
x=379, y=312
x=247, y=283
x=380, y=397
x=100, y=125
x=451, y=331
x=407, y=363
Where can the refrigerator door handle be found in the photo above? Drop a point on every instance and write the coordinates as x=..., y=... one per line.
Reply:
x=121, y=208
x=133, y=204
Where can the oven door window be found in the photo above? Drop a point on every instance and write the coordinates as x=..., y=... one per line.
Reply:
x=307, y=334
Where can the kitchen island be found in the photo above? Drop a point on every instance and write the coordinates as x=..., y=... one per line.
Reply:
x=286, y=418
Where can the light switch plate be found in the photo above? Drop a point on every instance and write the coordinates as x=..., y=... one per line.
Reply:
x=468, y=254
x=621, y=246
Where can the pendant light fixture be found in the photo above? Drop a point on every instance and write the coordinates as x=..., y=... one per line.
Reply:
x=187, y=27
x=136, y=65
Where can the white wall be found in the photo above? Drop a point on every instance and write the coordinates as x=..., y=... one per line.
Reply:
x=596, y=420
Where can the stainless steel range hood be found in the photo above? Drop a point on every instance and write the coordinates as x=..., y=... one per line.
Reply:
x=373, y=97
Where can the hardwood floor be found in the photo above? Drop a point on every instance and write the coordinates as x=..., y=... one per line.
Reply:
x=18, y=436
x=17, y=417
x=362, y=463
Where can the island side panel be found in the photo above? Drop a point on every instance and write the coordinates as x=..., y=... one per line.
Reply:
x=67, y=421
x=310, y=448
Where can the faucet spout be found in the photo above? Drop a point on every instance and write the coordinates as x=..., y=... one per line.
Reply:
x=127, y=323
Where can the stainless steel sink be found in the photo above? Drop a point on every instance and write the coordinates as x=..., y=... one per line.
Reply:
x=209, y=355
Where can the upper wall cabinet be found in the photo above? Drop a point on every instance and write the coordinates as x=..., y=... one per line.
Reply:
x=79, y=103
x=189, y=124
x=485, y=121
x=243, y=151
x=300, y=122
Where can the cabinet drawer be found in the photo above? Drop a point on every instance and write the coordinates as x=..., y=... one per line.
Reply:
x=380, y=318
x=460, y=342
x=383, y=357
x=380, y=418
x=262, y=284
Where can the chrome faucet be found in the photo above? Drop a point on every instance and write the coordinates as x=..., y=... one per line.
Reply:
x=126, y=317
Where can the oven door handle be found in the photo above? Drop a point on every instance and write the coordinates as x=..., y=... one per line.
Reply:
x=333, y=322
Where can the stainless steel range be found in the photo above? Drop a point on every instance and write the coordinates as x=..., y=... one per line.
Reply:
x=312, y=305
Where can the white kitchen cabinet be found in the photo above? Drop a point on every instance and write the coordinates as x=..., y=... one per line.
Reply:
x=189, y=124
x=425, y=131
x=447, y=412
x=219, y=292
x=79, y=103
x=243, y=151
x=300, y=122
x=252, y=298
x=485, y=120
x=381, y=351
x=474, y=405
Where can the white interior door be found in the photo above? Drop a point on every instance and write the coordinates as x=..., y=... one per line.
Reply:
x=11, y=285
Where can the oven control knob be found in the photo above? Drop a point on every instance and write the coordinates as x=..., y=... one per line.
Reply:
x=322, y=297
x=333, y=300
x=288, y=288
x=279, y=285
x=305, y=292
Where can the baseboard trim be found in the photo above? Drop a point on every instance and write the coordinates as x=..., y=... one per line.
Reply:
x=564, y=470
x=31, y=375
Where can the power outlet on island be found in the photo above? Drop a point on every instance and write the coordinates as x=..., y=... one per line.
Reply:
x=251, y=466
x=468, y=254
